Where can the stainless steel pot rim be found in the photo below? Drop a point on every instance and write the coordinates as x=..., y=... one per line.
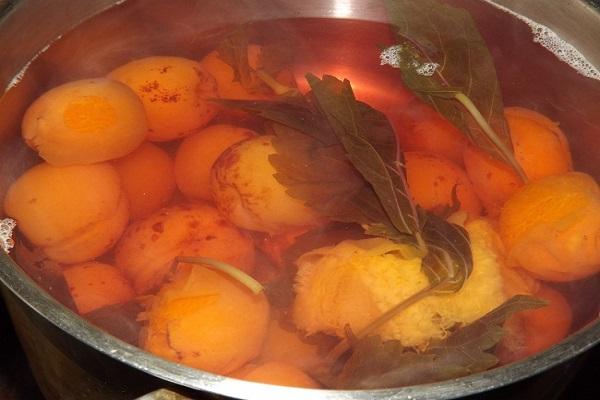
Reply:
x=25, y=289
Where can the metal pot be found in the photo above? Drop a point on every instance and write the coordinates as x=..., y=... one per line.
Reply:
x=71, y=358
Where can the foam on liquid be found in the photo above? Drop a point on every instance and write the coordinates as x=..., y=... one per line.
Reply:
x=557, y=46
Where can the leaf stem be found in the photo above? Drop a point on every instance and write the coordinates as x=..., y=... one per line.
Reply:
x=228, y=269
x=481, y=121
x=384, y=318
x=277, y=87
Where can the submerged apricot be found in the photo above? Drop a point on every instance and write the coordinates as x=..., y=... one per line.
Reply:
x=85, y=122
x=432, y=180
x=420, y=128
x=277, y=373
x=206, y=320
x=74, y=214
x=197, y=154
x=532, y=331
x=174, y=91
x=148, y=179
x=95, y=285
x=149, y=246
x=551, y=227
x=540, y=146
x=227, y=85
x=493, y=180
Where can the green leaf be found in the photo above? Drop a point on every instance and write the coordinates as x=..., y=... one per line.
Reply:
x=379, y=364
x=449, y=261
x=371, y=146
x=442, y=55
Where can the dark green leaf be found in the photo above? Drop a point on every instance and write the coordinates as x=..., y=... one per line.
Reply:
x=378, y=364
x=449, y=261
x=430, y=33
x=371, y=146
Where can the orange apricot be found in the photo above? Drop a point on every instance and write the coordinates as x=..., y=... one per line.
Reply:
x=148, y=179
x=95, y=285
x=149, y=246
x=431, y=182
x=175, y=92
x=286, y=345
x=420, y=128
x=74, y=214
x=197, y=154
x=85, y=122
x=531, y=331
x=493, y=180
x=206, y=320
x=277, y=373
x=551, y=227
x=227, y=85
x=540, y=146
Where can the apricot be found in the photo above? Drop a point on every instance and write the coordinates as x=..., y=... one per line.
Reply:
x=148, y=179
x=277, y=373
x=175, y=92
x=540, y=146
x=227, y=85
x=493, y=180
x=197, y=154
x=246, y=191
x=95, y=285
x=206, y=320
x=74, y=214
x=149, y=246
x=420, y=128
x=287, y=346
x=432, y=179
x=532, y=331
x=85, y=122
x=551, y=227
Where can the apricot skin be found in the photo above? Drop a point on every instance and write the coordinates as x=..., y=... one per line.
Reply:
x=149, y=246
x=175, y=93
x=197, y=154
x=148, y=179
x=73, y=213
x=206, y=320
x=277, y=373
x=551, y=227
x=94, y=285
x=540, y=147
x=85, y=122
x=431, y=180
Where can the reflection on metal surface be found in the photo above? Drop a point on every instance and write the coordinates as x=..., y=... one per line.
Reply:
x=342, y=8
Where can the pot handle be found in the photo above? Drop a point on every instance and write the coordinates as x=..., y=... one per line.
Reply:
x=163, y=394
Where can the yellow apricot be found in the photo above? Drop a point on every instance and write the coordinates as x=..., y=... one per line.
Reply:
x=73, y=213
x=551, y=227
x=148, y=179
x=85, y=122
x=277, y=373
x=248, y=194
x=174, y=91
x=149, y=246
x=197, y=154
x=95, y=285
x=206, y=320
